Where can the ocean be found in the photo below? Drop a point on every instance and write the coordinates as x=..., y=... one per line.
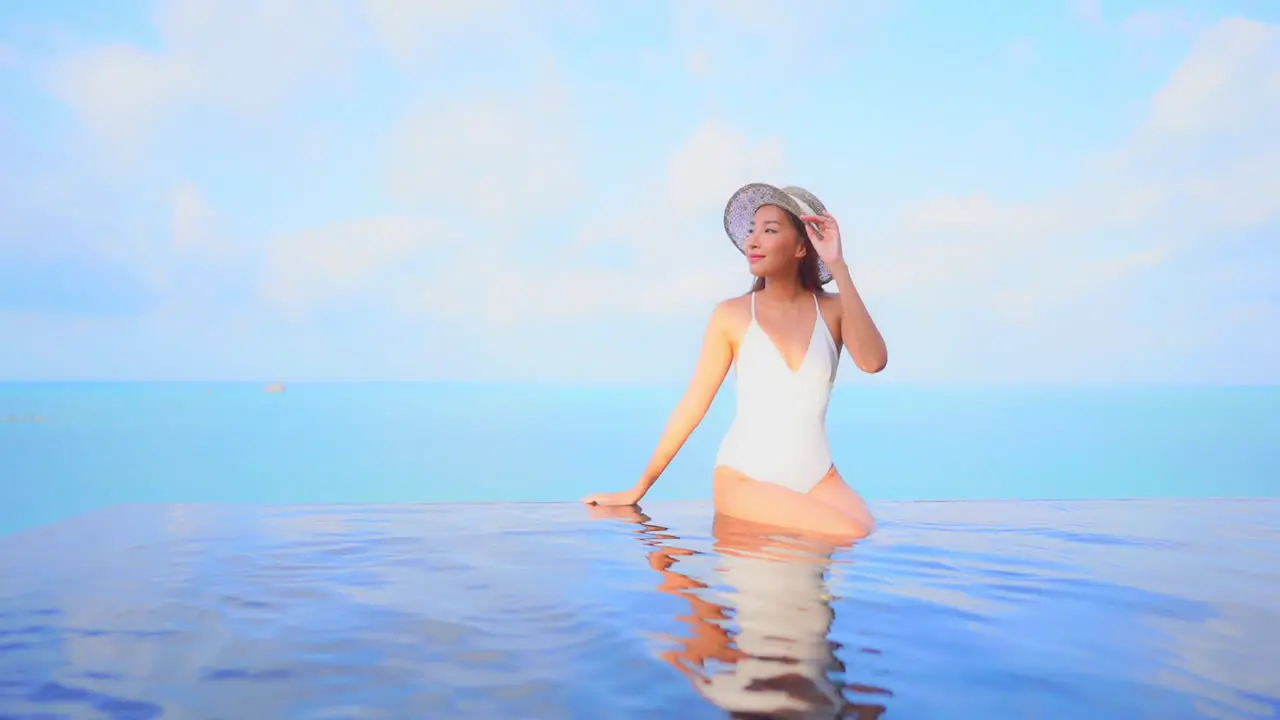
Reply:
x=415, y=550
x=70, y=448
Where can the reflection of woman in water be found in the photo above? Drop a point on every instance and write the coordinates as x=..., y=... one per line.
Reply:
x=774, y=465
x=779, y=662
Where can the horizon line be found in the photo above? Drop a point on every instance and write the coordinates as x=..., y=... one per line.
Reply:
x=675, y=384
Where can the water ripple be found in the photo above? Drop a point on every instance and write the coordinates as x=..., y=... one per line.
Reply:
x=1121, y=609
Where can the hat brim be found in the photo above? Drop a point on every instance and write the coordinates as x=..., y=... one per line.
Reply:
x=741, y=209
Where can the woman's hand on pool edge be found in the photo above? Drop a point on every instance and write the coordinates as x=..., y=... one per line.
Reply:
x=614, y=499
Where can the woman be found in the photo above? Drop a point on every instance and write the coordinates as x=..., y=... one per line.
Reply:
x=774, y=465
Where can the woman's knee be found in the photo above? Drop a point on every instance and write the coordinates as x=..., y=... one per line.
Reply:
x=853, y=528
x=834, y=491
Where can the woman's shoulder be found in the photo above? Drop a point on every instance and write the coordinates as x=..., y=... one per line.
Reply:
x=732, y=311
x=734, y=305
x=737, y=301
x=828, y=298
x=830, y=304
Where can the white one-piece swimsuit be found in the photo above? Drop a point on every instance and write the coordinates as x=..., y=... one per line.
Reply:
x=779, y=433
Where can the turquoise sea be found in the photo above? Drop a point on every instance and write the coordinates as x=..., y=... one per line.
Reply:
x=104, y=443
x=414, y=551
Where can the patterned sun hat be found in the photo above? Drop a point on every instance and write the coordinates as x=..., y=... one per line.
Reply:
x=740, y=212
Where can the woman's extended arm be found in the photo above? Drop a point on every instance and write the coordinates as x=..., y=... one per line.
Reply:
x=713, y=365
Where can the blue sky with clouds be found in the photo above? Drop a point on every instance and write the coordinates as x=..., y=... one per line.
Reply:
x=1059, y=191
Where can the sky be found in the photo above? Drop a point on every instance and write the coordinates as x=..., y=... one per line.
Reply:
x=1053, y=192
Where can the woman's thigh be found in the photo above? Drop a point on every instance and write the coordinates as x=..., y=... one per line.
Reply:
x=741, y=497
x=834, y=491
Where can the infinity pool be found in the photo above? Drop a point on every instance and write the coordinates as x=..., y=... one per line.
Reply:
x=1107, y=609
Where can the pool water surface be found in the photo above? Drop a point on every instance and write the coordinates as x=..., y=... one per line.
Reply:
x=1098, y=609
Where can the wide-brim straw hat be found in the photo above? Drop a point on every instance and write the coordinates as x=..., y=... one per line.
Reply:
x=741, y=209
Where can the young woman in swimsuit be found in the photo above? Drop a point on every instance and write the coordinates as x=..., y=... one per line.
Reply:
x=774, y=465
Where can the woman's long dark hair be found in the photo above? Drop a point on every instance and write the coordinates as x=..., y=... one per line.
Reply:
x=810, y=278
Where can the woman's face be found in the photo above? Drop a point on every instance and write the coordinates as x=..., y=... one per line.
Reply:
x=774, y=245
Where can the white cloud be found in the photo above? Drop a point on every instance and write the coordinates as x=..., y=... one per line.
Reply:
x=489, y=159
x=196, y=226
x=1065, y=259
x=716, y=161
x=1209, y=145
x=470, y=177
x=201, y=261
x=1196, y=167
x=495, y=169
x=1230, y=83
x=476, y=182
x=790, y=24
x=699, y=63
x=120, y=91
x=783, y=38
x=1088, y=10
x=316, y=267
x=770, y=15
x=487, y=163
x=245, y=56
x=251, y=58
x=411, y=29
x=1160, y=23
x=676, y=258
x=656, y=250
x=1143, y=25
x=1022, y=53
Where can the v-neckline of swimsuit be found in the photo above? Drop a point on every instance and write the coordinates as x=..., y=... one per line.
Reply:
x=779, y=432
